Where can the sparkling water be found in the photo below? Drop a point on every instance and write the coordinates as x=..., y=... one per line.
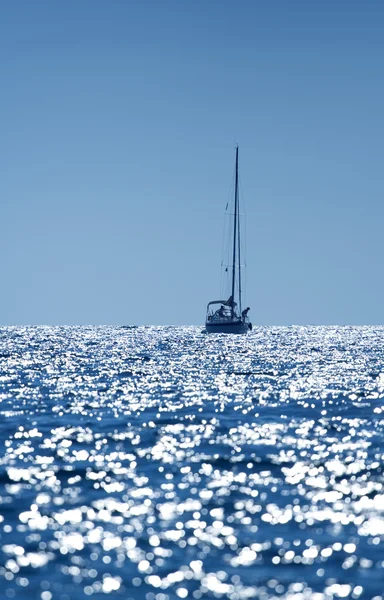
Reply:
x=159, y=463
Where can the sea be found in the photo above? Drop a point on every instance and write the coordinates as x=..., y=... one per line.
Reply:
x=159, y=463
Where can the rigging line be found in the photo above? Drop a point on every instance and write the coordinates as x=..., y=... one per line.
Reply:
x=235, y=231
x=225, y=241
x=244, y=244
x=224, y=288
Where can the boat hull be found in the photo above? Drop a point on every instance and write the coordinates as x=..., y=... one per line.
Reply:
x=228, y=327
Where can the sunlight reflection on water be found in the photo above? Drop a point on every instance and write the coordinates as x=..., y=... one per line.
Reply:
x=159, y=463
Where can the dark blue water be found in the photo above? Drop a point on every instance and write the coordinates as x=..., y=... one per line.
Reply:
x=160, y=463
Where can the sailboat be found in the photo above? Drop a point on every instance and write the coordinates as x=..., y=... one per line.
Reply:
x=227, y=316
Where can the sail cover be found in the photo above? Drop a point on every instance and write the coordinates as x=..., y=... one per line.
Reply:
x=230, y=302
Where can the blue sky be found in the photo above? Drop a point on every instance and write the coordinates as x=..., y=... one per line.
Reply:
x=118, y=127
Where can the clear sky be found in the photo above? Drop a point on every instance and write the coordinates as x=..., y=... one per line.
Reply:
x=118, y=122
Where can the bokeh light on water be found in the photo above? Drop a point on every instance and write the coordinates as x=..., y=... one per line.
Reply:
x=158, y=463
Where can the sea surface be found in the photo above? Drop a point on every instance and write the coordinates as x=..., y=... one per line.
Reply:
x=159, y=463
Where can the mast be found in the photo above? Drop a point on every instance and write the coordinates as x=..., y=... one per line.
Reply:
x=235, y=229
x=239, y=248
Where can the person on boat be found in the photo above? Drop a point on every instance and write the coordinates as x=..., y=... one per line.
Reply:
x=220, y=312
x=245, y=312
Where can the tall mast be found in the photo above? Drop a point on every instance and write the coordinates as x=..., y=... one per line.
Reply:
x=235, y=228
x=239, y=248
